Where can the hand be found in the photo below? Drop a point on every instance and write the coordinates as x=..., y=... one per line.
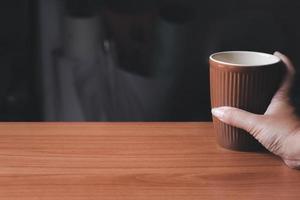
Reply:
x=278, y=129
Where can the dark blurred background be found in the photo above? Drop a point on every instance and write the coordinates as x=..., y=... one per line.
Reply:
x=128, y=60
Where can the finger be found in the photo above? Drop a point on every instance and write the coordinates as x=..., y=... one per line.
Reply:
x=280, y=99
x=287, y=82
x=238, y=118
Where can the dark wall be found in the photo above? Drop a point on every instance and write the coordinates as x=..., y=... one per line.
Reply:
x=259, y=25
x=18, y=97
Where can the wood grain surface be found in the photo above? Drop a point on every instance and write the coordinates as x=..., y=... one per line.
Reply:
x=49, y=161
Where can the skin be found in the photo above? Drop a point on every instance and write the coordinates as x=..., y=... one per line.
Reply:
x=278, y=129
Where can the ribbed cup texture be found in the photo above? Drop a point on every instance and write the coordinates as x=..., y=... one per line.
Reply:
x=247, y=88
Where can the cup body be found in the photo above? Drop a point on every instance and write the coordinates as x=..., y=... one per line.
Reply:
x=245, y=80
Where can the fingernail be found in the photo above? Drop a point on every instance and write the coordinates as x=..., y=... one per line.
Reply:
x=218, y=113
x=277, y=53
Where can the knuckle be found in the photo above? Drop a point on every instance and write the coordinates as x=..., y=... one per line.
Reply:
x=252, y=124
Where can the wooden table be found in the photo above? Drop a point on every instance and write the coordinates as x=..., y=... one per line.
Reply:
x=134, y=161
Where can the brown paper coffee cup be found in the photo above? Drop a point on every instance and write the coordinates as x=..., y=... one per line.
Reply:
x=245, y=80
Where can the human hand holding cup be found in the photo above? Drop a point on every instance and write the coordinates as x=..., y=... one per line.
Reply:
x=245, y=80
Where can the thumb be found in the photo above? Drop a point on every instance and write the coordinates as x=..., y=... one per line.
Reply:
x=237, y=118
